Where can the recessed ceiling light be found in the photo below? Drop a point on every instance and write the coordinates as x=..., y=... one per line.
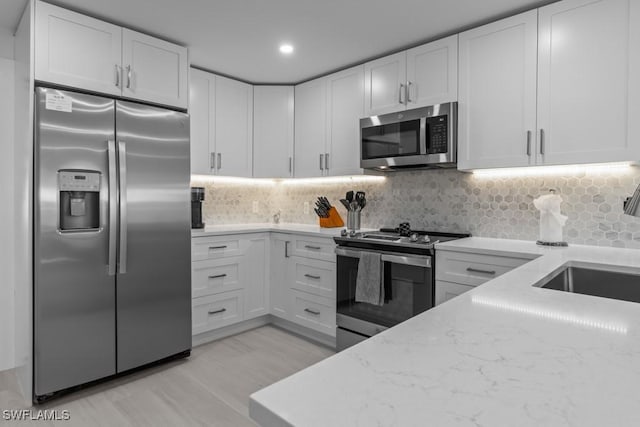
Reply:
x=286, y=49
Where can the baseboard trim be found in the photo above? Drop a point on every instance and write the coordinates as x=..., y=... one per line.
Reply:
x=269, y=319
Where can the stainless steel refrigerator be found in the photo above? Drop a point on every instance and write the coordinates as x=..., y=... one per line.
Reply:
x=112, y=251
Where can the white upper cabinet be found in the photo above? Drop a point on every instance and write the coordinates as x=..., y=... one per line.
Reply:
x=310, y=128
x=221, y=112
x=345, y=102
x=81, y=52
x=577, y=102
x=233, y=127
x=154, y=70
x=584, y=81
x=385, y=81
x=432, y=73
x=418, y=77
x=327, y=124
x=273, y=131
x=76, y=50
x=497, y=93
x=202, y=117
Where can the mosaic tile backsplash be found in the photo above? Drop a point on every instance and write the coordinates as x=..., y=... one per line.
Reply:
x=448, y=200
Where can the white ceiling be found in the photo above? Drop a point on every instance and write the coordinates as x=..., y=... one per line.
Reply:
x=240, y=38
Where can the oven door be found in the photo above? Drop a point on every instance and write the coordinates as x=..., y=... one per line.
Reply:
x=408, y=283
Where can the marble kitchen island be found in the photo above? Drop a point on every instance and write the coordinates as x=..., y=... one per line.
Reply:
x=504, y=354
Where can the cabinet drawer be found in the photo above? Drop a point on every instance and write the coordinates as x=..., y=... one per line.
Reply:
x=215, y=247
x=473, y=269
x=315, y=277
x=314, y=312
x=315, y=248
x=215, y=276
x=216, y=311
x=446, y=290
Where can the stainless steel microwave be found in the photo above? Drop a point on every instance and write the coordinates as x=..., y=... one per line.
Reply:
x=420, y=138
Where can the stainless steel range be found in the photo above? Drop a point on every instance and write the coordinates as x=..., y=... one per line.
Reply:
x=397, y=269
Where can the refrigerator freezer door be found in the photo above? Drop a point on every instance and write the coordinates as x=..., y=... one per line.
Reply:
x=154, y=291
x=74, y=296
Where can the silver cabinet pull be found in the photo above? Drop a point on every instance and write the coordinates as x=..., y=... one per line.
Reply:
x=478, y=270
x=122, y=166
x=286, y=249
x=290, y=165
x=321, y=162
x=542, y=141
x=117, y=75
x=113, y=208
x=529, y=143
x=400, y=94
x=326, y=161
x=311, y=276
x=218, y=247
x=128, y=76
x=222, y=310
x=212, y=161
x=219, y=161
x=217, y=276
x=314, y=312
x=409, y=92
x=317, y=248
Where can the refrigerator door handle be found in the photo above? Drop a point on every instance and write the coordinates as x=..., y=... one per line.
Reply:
x=122, y=165
x=113, y=208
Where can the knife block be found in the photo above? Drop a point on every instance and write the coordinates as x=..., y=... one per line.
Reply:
x=334, y=219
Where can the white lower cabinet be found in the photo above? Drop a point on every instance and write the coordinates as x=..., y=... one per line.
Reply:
x=215, y=311
x=314, y=312
x=459, y=272
x=228, y=280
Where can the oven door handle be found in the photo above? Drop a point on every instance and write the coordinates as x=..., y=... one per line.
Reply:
x=404, y=259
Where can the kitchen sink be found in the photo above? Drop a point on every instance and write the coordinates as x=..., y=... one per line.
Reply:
x=596, y=280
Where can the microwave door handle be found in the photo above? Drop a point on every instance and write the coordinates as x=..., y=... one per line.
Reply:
x=423, y=135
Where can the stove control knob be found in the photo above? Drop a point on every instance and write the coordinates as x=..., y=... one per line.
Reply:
x=426, y=239
x=352, y=233
x=414, y=237
x=343, y=232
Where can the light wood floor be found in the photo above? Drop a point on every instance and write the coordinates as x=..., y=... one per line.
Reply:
x=211, y=388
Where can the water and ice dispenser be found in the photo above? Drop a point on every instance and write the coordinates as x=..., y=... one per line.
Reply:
x=79, y=200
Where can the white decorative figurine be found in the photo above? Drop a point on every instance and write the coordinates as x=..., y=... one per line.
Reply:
x=551, y=220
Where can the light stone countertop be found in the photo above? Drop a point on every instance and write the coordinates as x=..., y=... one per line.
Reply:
x=304, y=229
x=504, y=354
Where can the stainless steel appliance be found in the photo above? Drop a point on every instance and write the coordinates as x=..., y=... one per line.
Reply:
x=408, y=266
x=424, y=137
x=112, y=288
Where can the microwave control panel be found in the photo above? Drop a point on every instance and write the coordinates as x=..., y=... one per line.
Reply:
x=437, y=134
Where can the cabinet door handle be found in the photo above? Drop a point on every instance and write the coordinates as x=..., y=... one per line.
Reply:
x=117, y=75
x=314, y=312
x=212, y=161
x=400, y=94
x=311, y=276
x=326, y=161
x=409, y=92
x=478, y=270
x=217, y=276
x=542, y=141
x=317, y=248
x=286, y=249
x=529, y=143
x=128, y=76
x=222, y=310
x=290, y=165
x=218, y=247
x=321, y=162
x=219, y=161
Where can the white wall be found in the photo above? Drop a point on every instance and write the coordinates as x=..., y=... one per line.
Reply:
x=7, y=336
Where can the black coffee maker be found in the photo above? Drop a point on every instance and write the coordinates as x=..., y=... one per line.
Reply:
x=197, y=197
